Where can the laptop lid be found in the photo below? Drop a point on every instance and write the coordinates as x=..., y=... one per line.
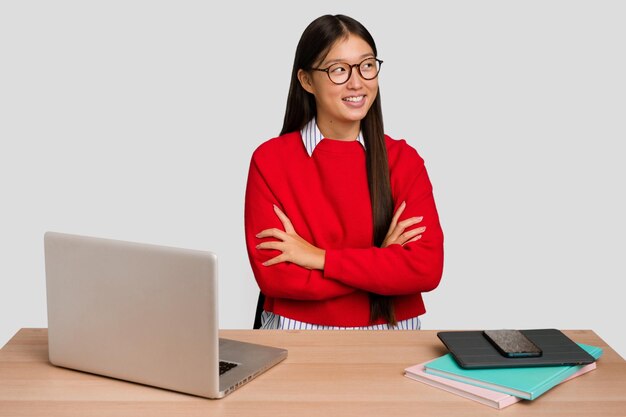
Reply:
x=142, y=313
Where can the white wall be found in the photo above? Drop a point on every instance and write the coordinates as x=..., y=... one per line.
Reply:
x=136, y=121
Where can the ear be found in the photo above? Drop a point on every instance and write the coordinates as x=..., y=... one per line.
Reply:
x=305, y=81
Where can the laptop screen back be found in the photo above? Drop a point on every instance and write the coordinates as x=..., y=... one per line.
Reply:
x=138, y=312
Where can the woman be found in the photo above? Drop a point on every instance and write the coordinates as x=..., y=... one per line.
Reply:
x=341, y=225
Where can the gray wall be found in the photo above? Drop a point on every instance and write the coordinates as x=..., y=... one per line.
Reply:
x=136, y=121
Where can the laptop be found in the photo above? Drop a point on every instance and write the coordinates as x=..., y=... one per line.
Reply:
x=143, y=313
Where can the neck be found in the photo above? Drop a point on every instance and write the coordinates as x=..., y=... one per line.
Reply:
x=332, y=129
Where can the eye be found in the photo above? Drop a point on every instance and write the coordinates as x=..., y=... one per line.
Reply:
x=368, y=65
x=337, y=69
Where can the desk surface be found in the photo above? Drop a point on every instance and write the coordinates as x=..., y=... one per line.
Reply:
x=327, y=373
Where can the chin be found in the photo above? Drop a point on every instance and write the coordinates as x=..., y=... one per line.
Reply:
x=356, y=117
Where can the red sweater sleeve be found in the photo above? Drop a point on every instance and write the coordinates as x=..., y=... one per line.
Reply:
x=283, y=280
x=397, y=270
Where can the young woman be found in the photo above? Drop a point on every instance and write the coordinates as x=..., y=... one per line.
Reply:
x=341, y=225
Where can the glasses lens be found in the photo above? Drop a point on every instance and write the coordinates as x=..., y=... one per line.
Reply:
x=369, y=68
x=339, y=73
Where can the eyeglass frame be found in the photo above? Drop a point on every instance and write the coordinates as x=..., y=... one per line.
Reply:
x=350, y=66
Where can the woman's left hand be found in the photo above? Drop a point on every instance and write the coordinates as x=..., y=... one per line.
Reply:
x=294, y=249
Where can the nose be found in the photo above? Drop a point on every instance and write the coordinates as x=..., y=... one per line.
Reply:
x=355, y=81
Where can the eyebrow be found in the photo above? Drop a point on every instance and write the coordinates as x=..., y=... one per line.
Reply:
x=334, y=61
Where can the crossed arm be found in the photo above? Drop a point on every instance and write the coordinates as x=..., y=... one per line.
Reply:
x=286, y=265
x=300, y=252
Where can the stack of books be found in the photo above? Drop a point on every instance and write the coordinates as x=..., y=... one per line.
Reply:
x=497, y=387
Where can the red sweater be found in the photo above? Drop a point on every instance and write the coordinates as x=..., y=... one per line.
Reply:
x=326, y=197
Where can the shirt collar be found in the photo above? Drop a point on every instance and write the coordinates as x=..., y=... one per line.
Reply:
x=311, y=136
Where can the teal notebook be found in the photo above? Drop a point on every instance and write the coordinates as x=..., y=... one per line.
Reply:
x=528, y=383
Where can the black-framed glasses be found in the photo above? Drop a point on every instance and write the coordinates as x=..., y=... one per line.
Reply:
x=341, y=72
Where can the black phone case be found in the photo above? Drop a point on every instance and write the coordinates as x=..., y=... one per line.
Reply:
x=512, y=343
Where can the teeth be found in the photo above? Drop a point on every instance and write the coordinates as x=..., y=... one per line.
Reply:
x=354, y=99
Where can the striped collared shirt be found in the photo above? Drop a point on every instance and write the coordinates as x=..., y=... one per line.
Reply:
x=274, y=321
x=311, y=136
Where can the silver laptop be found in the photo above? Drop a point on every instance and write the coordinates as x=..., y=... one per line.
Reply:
x=143, y=313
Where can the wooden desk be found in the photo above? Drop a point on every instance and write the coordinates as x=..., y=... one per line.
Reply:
x=327, y=373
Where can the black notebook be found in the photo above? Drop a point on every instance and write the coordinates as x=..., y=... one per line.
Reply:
x=472, y=350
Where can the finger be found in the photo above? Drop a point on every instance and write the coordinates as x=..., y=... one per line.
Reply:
x=411, y=234
x=394, y=219
x=284, y=219
x=401, y=237
x=274, y=261
x=396, y=216
x=410, y=222
x=402, y=226
x=271, y=245
x=393, y=233
x=276, y=233
x=413, y=240
x=401, y=208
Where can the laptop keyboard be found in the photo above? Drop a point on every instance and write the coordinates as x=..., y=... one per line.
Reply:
x=226, y=366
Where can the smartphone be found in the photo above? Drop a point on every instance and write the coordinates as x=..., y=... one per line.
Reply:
x=512, y=343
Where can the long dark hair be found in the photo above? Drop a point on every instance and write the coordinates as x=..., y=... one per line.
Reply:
x=315, y=43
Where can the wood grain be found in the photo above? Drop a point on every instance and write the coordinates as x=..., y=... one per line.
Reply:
x=327, y=373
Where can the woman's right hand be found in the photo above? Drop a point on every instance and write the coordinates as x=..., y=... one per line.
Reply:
x=397, y=234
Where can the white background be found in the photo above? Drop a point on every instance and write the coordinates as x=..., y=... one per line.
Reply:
x=136, y=121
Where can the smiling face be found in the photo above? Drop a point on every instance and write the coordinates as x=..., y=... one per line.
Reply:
x=340, y=108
